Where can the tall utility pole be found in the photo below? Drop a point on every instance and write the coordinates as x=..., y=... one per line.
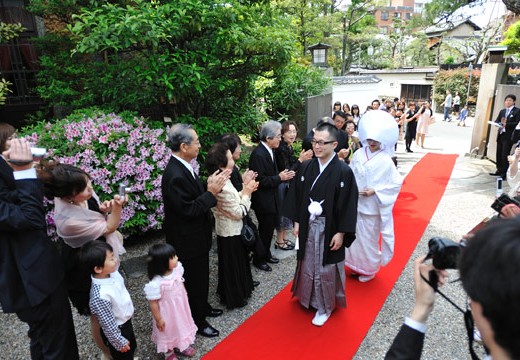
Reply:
x=470, y=69
x=344, y=47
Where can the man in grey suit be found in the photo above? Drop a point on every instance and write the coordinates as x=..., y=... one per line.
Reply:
x=265, y=201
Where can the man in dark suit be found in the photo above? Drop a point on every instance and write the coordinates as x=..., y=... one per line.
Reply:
x=265, y=200
x=31, y=276
x=409, y=341
x=307, y=140
x=340, y=121
x=508, y=120
x=489, y=269
x=187, y=221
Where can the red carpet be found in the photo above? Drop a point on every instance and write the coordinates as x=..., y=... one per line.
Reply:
x=282, y=329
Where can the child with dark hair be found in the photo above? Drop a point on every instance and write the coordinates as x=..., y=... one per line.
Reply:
x=173, y=327
x=110, y=301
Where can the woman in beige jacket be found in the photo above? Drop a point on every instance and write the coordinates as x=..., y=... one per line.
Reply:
x=235, y=282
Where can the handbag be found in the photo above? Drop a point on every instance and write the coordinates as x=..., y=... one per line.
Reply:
x=247, y=234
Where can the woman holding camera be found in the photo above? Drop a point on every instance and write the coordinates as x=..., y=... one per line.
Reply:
x=235, y=282
x=80, y=217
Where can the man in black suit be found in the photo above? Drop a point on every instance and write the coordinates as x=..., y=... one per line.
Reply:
x=31, y=276
x=265, y=200
x=187, y=221
x=340, y=121
x=307, y=140
x=508, y=120
x=409, y=341
x=489, y=268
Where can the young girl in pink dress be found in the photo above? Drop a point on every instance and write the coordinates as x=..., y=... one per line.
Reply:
x=173, y=327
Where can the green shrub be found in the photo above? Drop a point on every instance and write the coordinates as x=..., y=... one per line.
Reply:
x=456, y=80
x=113, y=149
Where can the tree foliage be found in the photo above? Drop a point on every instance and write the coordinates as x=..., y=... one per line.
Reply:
x=10, y=31
x=323, y=21
x=417, y=52
x=310, y=20
x=196, y=59
x=7, y=33
x=456, y=80
x=283, y=95
x=512, y=39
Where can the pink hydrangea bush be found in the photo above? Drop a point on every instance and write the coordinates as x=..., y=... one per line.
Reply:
x=114, y=149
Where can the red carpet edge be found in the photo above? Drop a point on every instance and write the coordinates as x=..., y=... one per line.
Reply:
x=282, y=329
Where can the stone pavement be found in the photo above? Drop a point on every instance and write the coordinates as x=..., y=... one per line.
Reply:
x=465, y=202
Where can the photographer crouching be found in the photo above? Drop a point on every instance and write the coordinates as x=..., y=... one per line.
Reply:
x=489, y=267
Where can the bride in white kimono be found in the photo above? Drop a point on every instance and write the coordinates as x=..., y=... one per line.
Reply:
x=379, y=183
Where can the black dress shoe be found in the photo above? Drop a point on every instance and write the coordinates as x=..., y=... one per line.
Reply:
x=495, y=174
x=273, y=260
x=208, y=331
x=263, y=267
x=256, y=283
x=214, y=312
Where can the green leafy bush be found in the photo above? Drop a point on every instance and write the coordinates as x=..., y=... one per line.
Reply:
x=4, y=89
x=113, y=149
x=456, y=80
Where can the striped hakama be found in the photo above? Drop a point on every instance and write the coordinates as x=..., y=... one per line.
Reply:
x=315, y=285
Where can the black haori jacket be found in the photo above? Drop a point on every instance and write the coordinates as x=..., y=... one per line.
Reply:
x=337, y=187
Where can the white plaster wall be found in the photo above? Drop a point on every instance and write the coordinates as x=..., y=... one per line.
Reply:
x=363, y=94
x=391, y=83
x=359, y=94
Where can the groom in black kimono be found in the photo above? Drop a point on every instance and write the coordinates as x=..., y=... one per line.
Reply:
x=322, y=202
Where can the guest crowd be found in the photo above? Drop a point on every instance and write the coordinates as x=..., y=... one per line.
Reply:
x=336, y=196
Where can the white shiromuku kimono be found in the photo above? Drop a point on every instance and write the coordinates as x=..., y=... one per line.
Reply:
x=376, y=171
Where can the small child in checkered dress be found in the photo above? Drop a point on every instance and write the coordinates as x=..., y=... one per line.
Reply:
x=110, y=301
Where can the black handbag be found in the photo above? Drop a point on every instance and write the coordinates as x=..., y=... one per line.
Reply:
x=247, y=234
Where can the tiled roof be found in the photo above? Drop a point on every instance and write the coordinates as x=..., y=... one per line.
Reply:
x=432, y=69
x=356, y=79
x=448, y=26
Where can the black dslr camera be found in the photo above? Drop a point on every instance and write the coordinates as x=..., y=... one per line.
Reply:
x=444, y=253
x=502, y=201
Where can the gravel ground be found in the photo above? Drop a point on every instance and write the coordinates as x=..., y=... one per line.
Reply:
x=14, y=343
x=465, y=203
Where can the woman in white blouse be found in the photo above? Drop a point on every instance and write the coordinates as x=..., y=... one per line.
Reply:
x=235, y=282
x=426, y=113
